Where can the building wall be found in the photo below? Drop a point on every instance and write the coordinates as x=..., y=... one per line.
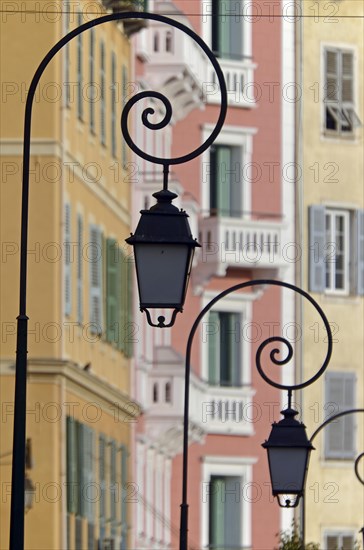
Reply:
x=79, y=365
x=332, y=168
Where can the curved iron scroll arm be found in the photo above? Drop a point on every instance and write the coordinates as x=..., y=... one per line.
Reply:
x=332, y=419
x=356, y=467
x=17, y=500
x=273, y=357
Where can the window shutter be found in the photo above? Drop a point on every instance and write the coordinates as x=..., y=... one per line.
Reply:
x=236, y=183
x=224, y=180
x=81, y=447
x=122, y=304
x=79, y=71
x=347, y=83
x=129, y=310
x=95, y=258
x=67, y=260
x=332, y=76
x=360, y=251
x=72, y=477
x=317, y=248
x=233, y=513
x=79, y=269
x=213, y=348
x=112, y=253
x=340, y=434
x=113, y=482
x=102, y=479
x=234, y=320
x=88, y=490
x=216, y=515
x=124, y=479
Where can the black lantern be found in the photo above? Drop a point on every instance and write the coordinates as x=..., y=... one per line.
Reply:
x=163, y=251
x=288, y=455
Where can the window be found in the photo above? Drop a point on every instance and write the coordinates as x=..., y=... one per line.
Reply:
x=227, y=35
x=67, y=262
x=102, y=94
x=340, y=115
x=79, y=71
x=113, y=104
x=79, y=269
x=340, y=434
x=337, y=259
x=93, y=94
x=336, y=250
x=225, y=181
x=96, y=282
x=224, y=349
x=224, y=512
x=124, y=92
x=339, y=541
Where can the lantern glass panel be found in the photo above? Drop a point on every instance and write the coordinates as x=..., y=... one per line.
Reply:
x=162, y=271
x=287, y=468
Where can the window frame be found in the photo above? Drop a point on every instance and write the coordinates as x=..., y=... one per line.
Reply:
x=338, y=107
x=235, y=303
x=233, y=466
x=235, y=137
x=339, y=534
x=332, y=214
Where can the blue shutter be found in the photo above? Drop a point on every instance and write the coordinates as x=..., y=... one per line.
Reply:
x=67, y=260
x=360, y=251
x=340, y=434
x=233, y=512
x=102, y=480
x=317, y=240
x=72, y=471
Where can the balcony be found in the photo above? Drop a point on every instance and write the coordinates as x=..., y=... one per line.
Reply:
x=174, y=64
x=131, y=26
x=213, y=409
x=239, y=78
x=229, y=242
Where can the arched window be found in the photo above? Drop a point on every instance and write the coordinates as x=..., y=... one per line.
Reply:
x=168, y=392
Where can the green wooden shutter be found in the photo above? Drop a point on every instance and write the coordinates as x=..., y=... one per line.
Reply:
x=81, y=437
x=112, y=254
x=72, y=470
x=224, y=180
x=214, y=348
x=216, y=513
x=234, y=323
x=113, y=483
x=88, y=465
x=102, y=479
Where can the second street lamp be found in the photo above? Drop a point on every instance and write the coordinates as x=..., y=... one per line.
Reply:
x=289, y=451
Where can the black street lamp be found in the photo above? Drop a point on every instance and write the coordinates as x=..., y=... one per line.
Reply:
x=178, y=248
x=288, y=446
x=288, y=455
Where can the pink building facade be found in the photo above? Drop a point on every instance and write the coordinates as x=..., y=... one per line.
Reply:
x=240, y=198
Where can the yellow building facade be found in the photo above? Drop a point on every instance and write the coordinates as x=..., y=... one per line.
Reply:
x=79, y=414
x=331, y=227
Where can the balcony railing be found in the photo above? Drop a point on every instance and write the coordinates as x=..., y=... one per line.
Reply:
x=239, y=77
x=240, y=243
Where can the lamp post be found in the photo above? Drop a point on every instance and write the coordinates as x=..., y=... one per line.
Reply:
x=288, y=440
x=156, y=248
